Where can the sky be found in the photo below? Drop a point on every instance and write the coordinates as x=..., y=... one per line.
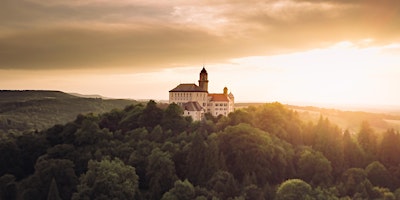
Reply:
x=343, y=52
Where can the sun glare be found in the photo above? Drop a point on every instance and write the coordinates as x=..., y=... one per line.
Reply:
x=342, y=74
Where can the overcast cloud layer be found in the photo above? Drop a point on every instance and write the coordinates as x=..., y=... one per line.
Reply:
x=141, y=34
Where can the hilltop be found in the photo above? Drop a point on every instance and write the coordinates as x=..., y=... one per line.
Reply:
x=148, y=152
x=379, y=119
x=25, y=110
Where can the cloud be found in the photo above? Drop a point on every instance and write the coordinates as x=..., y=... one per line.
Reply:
x=142, y=35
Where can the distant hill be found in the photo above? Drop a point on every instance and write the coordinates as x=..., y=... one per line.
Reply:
x=24, y=110
x=88, y=95
x=350, y=120
x=379, y=119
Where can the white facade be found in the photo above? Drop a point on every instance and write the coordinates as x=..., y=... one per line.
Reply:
x=183, y=97
x=195, y=100
x=196, y=115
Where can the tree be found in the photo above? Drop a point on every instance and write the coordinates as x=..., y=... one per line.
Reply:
x=354, y=183
x=90, y=133
x=8, y=187
x=252, y=192
x=251, y=151
x=151, y=115
x=160, y=172
x=379, y=175
x=328, y=140
x=62, y=171
x=108, y=179
x=367, y=140
x=314, y=168
x=354, y=156
x=239, y=116
x=294, y=189
x=182, y=190
x=130, y=120
x=173, y=120
x=31, y=146
x=10, y=158
x=53, y=191
x=224, y=184
x=389, y=149
x=196, y=158
x=111, y=120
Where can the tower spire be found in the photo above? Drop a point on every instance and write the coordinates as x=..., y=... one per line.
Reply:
x=203, y=81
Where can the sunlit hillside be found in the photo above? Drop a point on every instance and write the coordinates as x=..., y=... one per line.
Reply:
x=380, y=120
x=350, y=120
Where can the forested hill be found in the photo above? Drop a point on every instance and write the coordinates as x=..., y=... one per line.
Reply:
x=35, y=110
x=148, y=152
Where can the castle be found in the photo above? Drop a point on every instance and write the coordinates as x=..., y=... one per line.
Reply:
x=196, y=101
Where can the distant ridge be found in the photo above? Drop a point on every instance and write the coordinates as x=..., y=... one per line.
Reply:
x=27, y=95
x=89, y=96
x=23, y=110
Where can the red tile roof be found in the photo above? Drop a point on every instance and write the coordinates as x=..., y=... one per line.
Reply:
x=218, y=97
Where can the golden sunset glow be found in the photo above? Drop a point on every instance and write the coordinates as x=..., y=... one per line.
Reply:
x=292, y=51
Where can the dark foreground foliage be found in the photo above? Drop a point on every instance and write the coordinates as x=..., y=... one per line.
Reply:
x=145, y=152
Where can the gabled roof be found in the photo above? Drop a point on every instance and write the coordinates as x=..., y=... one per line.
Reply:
x=218, y=97
x=192, y=106
x=187, y=87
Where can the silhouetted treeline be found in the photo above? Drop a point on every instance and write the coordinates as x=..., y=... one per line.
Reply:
x=148, y=152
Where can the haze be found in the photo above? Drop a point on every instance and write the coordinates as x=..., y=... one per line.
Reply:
x=326, y=52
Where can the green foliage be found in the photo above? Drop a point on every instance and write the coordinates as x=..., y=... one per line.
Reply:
x=161, y=173
x=389, y=149
x=378, y=175
x=145, y=151
x=248, y=150
x=294, y=189
x=328, y=140
x=367, y=140
x=62, y=171
x=108, y=179
x=355, y=184
x=151, y=116
x=173, y=119
x=314, y=168
x=354, y=156
x=182, y=190
x=224, y=184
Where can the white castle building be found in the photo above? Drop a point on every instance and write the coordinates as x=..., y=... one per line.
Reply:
x=195, y=100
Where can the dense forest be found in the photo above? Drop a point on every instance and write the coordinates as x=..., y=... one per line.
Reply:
x=27, y=110
x=147, y=152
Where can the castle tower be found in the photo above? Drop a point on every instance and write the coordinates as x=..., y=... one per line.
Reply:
x=203, y=81
x=225, y=91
